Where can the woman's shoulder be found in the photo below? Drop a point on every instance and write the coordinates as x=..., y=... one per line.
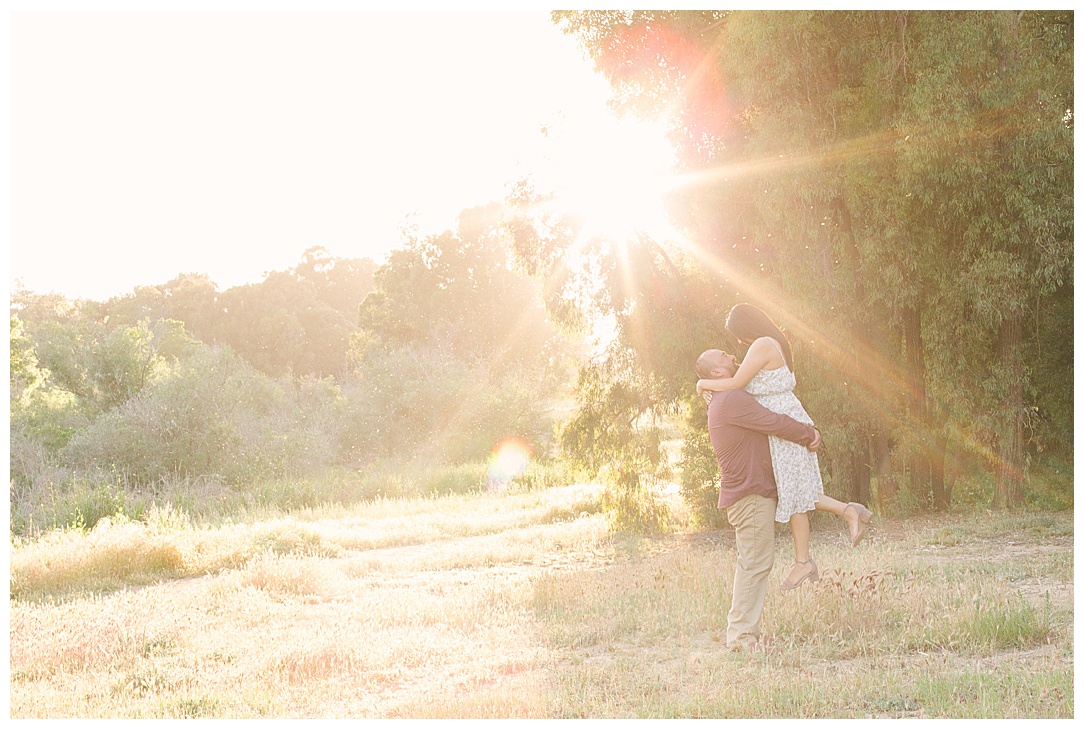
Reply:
x=766, y=343
x=770, y=349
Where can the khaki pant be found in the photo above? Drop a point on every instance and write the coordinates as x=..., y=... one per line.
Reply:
x=753, y=519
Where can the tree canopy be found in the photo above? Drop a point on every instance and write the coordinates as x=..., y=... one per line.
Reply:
x=894, y=188
x=433, y=358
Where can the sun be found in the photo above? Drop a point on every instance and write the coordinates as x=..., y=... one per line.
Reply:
x=616, y=180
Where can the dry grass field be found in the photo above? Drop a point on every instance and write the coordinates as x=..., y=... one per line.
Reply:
x=525, y=604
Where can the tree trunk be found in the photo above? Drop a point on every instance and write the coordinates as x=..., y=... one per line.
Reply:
x=952, y=467
x=881, y=453
x=942, y=494
x=918, y=406
x=860, y=470
x=1009, y=476
x=863, y=472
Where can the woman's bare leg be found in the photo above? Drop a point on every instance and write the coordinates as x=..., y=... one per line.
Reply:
x=799, y=531
x=827, y=503
x=851, y=516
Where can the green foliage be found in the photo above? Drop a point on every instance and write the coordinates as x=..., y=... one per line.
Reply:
x=431, y=404
x=545, y=474
x=24, y=372
x=700, y=478
x=40, y=412
x=651, y=57
x=457, y=290
x=454, y=354
x=91, y=504
x=297, y=321
x=633, y=506
x=112, y=402
x=104, y=366
x=212, y=415
x=896, y=192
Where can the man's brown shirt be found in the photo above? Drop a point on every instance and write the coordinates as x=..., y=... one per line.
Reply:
x=739, y=428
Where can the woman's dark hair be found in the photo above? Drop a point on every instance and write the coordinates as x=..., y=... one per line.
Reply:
x=747, y=323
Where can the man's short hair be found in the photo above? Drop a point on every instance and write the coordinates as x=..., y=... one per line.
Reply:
x=706, y=362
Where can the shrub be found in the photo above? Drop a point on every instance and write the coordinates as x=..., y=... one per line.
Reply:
x=426, y=403
x=700, y=479
x=632, y=505
x=212, y=415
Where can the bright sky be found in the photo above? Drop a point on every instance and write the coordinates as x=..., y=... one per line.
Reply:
x=147, y=144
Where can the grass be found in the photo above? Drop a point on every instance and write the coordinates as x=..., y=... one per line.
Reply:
x=525, y=604
x=81, y=500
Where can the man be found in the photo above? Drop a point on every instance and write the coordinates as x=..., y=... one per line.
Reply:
x=739, y=428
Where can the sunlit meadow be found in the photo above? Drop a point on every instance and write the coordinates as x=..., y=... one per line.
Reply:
x=524, y=603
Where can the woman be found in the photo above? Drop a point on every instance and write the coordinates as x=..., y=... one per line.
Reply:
x=767, y=373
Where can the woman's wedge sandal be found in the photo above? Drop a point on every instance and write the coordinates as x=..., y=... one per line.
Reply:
x=813, y=575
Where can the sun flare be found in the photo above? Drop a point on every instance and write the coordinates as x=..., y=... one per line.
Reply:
x=510, y=458
x=617, y=182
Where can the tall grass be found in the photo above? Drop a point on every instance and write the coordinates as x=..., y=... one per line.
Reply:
x=81, y=500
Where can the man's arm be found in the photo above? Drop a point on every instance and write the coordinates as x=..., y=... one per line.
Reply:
x=742, y=410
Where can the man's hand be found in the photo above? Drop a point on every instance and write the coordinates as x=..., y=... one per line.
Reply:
x=816, y=441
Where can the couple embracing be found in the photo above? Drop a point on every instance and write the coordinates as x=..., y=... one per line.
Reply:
x=766, y=447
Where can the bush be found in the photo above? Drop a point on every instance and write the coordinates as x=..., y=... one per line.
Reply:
x=700, y=479
x=543, y=474
x=213, y=415
x=426, y=403
x=632, y=505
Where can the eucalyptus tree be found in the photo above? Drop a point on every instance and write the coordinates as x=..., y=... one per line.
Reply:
x=764, y=181
x=895, y=187
x=987, y=150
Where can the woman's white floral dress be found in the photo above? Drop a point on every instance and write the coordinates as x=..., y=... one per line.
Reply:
x=797, y=471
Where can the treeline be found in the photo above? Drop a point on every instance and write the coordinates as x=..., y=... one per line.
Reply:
x=896, y=189
x=431, y=358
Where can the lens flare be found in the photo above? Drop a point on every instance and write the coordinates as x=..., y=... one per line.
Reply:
x=614, y=180
x=509, y=459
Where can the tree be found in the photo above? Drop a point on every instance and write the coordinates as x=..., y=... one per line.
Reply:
x=1001, y=159
x=190, y=298
x=458, y=289
x=340, y=283
x=104, y=367
x=24, y=372
x=871, y=178
x=454, y=350
x=297, y=321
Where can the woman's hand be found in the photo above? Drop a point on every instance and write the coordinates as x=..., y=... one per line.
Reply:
x=706, y=394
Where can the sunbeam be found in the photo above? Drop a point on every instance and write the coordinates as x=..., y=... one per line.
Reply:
x=615, y=184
